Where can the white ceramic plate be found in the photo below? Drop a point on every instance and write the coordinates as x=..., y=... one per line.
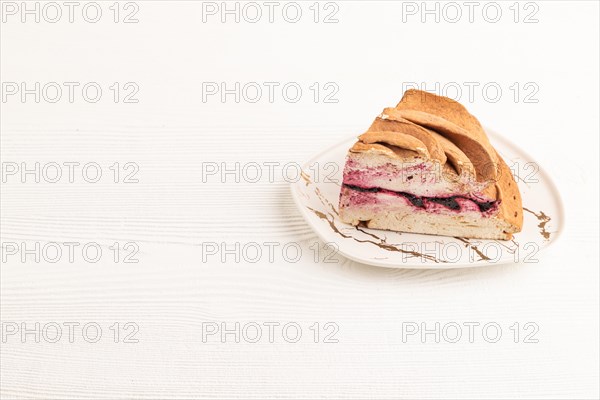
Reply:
x=317, y=194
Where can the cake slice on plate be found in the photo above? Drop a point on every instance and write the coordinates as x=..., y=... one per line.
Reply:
x=427, y=166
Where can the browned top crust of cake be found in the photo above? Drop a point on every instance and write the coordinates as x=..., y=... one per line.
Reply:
x=511, y=206
x=450, y=119
x=438, y=128
x=402, y=125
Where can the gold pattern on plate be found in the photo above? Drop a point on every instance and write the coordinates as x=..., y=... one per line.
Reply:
x=482, y=257
x=544, y=219
x=381, y=243
x=305, y=178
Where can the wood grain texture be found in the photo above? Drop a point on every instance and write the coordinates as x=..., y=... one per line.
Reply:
x=177, y=287
x=171, y=292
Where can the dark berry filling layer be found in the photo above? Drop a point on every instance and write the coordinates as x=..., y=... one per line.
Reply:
x=418, y=201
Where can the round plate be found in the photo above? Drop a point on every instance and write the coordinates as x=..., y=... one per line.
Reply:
x=317, y=195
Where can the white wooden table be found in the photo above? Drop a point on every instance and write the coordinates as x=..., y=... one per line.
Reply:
x=183, y=321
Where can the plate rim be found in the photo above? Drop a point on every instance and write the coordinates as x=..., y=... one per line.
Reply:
x=460, y=265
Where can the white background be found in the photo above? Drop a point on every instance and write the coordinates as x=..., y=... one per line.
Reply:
x=372, y=53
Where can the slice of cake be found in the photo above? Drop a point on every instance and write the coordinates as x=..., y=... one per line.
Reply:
x=427, y=166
